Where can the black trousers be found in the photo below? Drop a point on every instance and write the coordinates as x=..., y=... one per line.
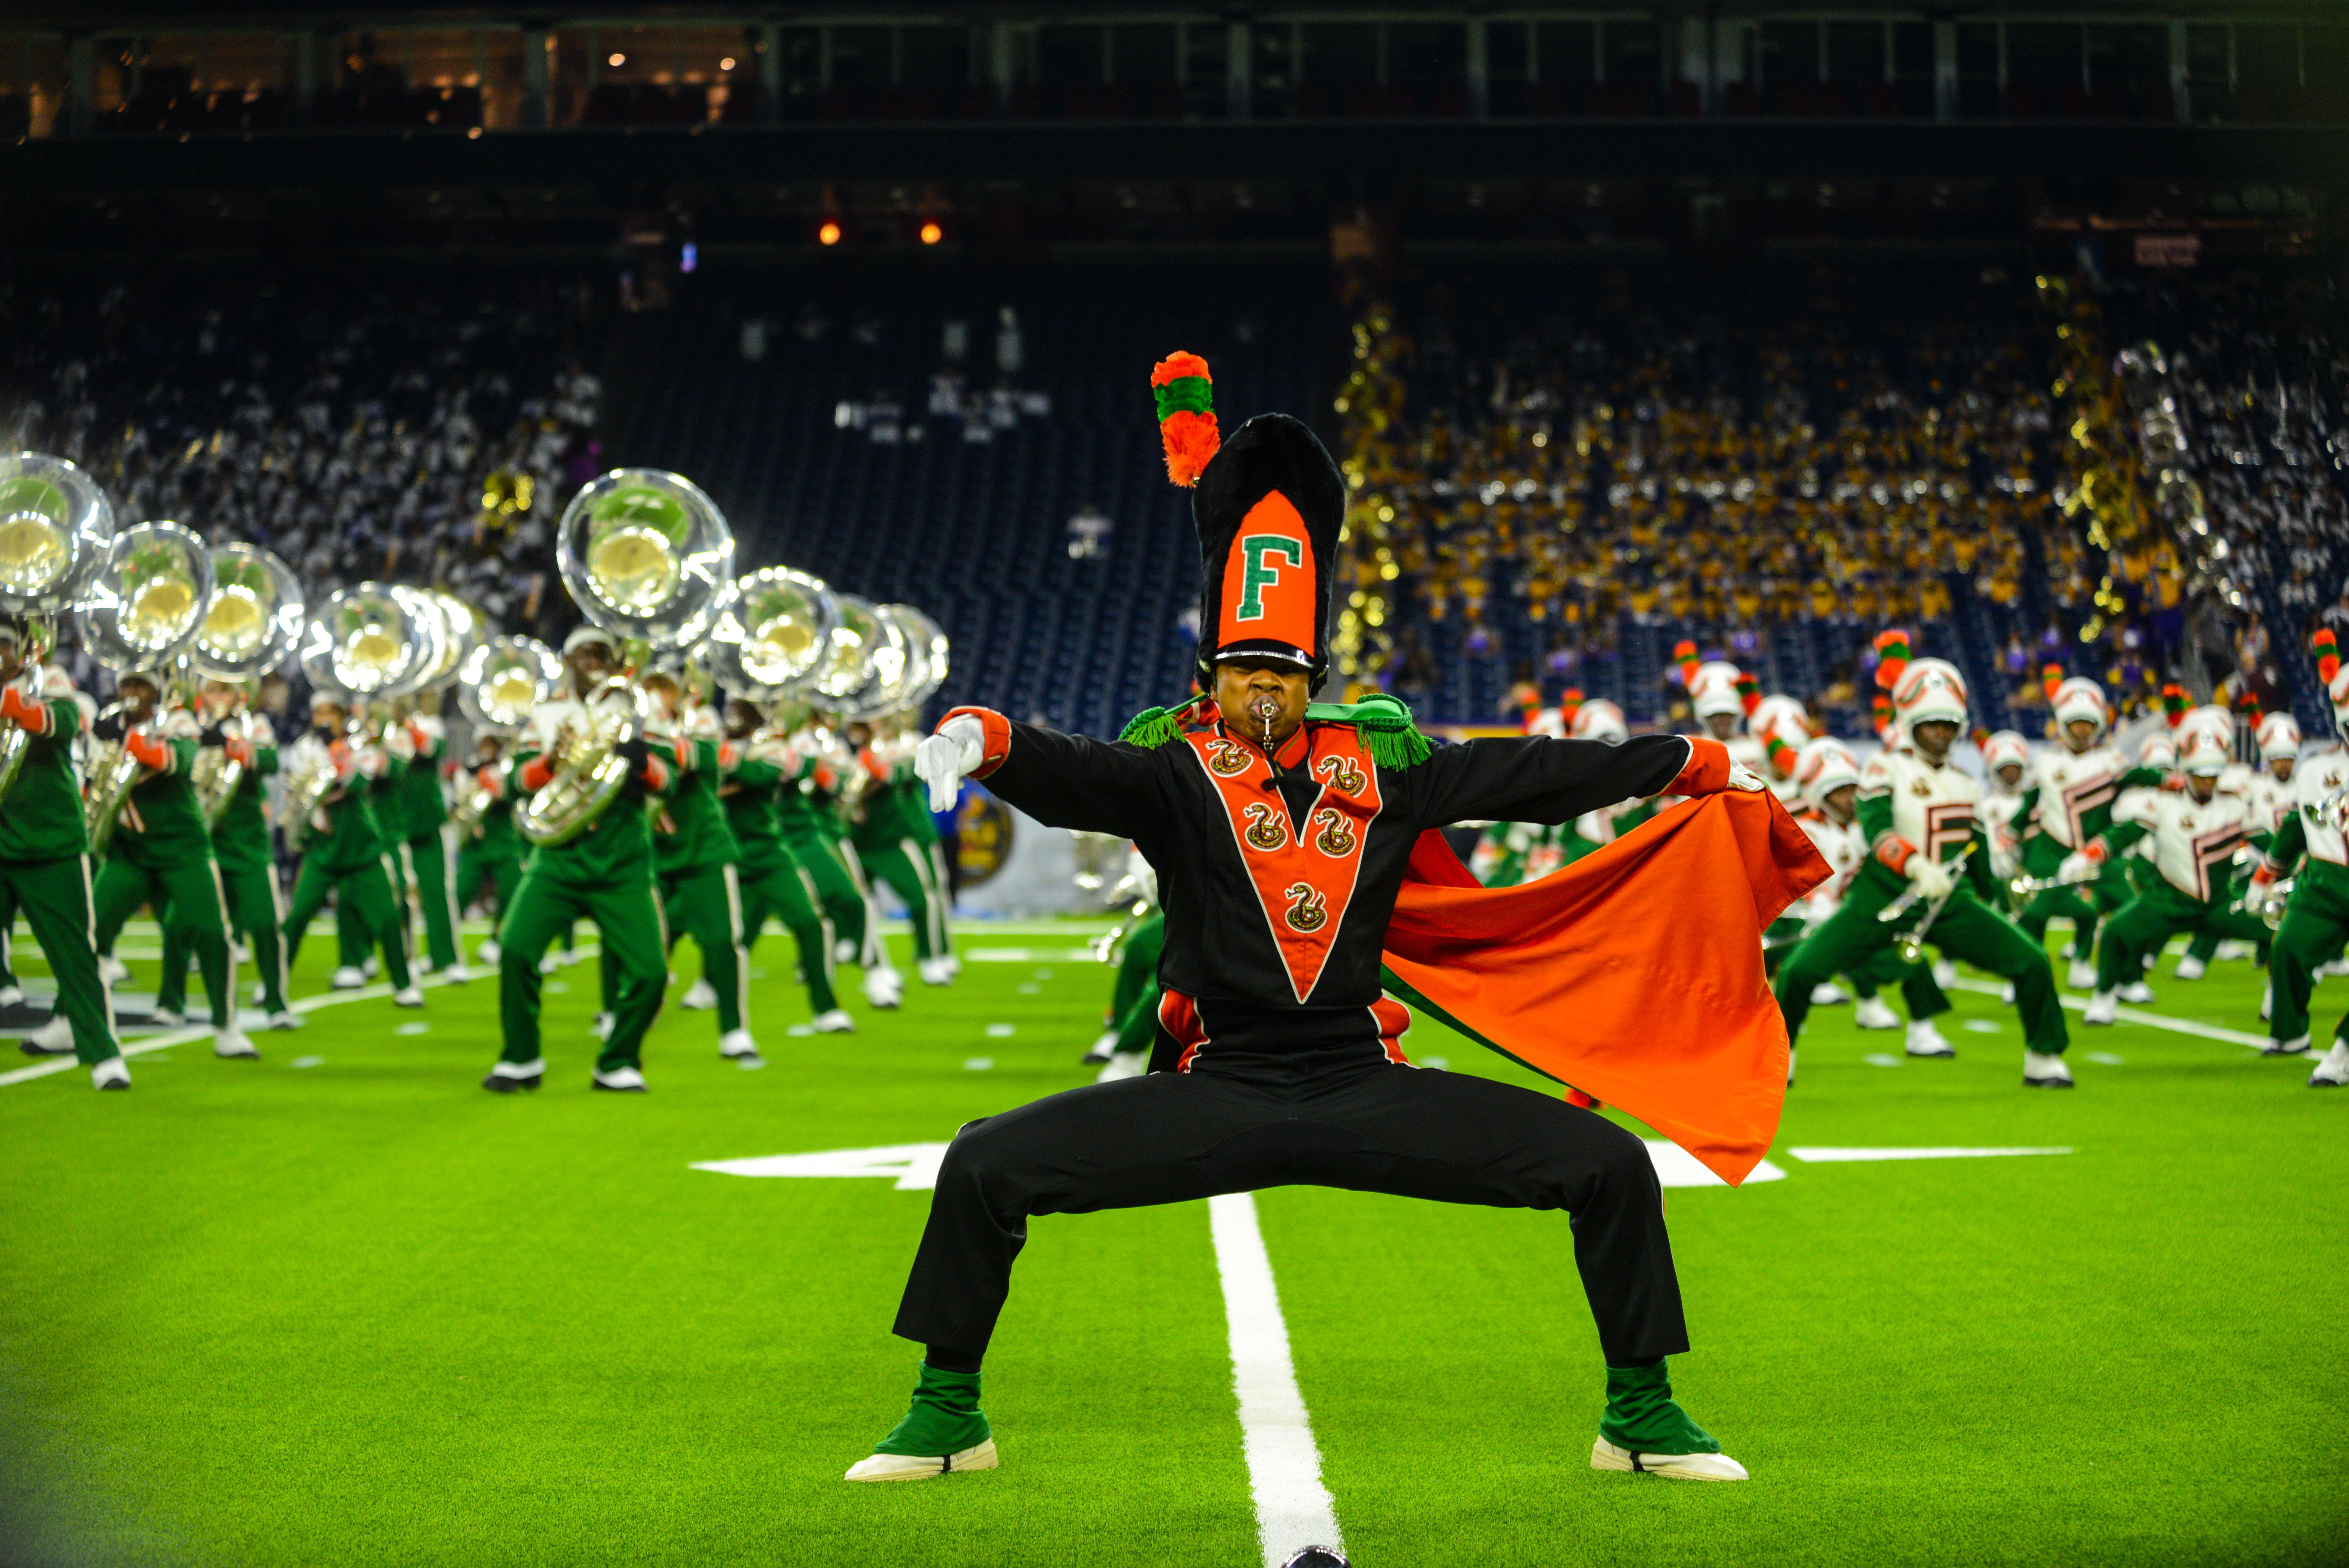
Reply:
x=1345, y=1119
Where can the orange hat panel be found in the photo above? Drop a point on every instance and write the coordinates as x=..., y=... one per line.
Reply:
x=1269, y=594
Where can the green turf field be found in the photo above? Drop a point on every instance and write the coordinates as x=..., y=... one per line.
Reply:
x=359, y=1312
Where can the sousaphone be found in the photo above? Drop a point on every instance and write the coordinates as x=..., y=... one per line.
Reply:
x=501, y=681
x=143, y=610
x=255, y=624
x=56, y=529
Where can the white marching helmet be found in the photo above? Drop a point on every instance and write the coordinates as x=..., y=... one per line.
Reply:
x=1826, y=766
x=2210, y=718
x=1548, y=722
x=1783, y=716
x=1713, y=690
x=2279, y=737
x=1601, y=720
x=2003, y=748
x=2202, y=750
x=2338, y=690
x=2157, y=750
x=1927, y=690
x=2080, y=697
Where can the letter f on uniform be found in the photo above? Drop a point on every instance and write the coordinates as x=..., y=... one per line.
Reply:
x=1257, y=572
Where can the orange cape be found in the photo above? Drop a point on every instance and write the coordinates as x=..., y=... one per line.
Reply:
x=1633, y=974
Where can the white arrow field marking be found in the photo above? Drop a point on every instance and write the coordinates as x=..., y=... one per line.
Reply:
x=1834, y=1156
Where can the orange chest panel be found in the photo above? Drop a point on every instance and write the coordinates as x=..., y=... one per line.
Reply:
x=1304, y=873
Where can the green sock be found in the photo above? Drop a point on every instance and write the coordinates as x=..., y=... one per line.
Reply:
x=1641, y=1417
x=946, y=1417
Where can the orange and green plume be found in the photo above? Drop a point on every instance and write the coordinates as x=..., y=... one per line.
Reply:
x=2173, y=704
x=1186, y=415
x=1891, y=657
x=1782, y=756
x=1749, y=693
x=2050, y=678
x=1569, y=704
x=1882, y=703
x=2247, y=703
x=1684, y=656
x=2328, y=654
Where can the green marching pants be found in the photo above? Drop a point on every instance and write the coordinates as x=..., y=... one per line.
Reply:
x=1967, y=929
x=912, y=874
x=780, y=888
x=840, y=894
x=636, y=952
x=7, y=931
x=1133, y=1001
x=187, y=895
x=355, y=935
x=1920, y=992
x=2315, y=928
x=2041, y=856
x=706, y=905
x=421, y=865
x=2205, y=945
x=365, y=894
x=499, y=869
x=2156, y=916
x=256, y=908
x=55, y=898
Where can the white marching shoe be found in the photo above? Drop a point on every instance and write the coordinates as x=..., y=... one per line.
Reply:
x=836, y=1022
x=2046, y=1072
x=2266, y=1002
x=2137, y=992
x=170, y=1018
x=1925, y=1040
x=1606, y=1456
x=2332, y=1072
x=113, y=970
x=921, y=1467
x=408, y=996
x=2101, y=1009
x=260, y=995
x=286, y=1018
x=701, y=996
x=112, y=1073
x=370, y=966
x=54, y=1039
x=486, y=952
x=1875, y=1013
x=549, y=964
x=11, y=995
x=456, y=975
x=737, y=1045
x=953, y=964
x=884, y=987
x=2082, y=975
x=2007, y=995
x=1100, y=1050
x=1827, y=994
x=230, y=1043
x=2190, y=967
x=347, y=978
x=602, y=1026
x=1945, y=974
x=2298, y=1048
x=1125, y=1064
x=623, y=1081
x=936, y=971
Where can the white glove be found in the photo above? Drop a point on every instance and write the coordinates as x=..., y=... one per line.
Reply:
x=2077, y=867
x=1744, y=777
x=941, y=760
x=1932, y=878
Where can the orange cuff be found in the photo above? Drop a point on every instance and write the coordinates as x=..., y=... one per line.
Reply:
x=656, y=773
x=997, y=743
x=492, y=780
x=150, y=753
x=1894, y=852
x=31, y=715
x=1707, y=772
x=535, y=773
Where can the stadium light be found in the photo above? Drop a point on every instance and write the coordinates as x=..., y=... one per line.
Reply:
x=618, y=60
x=727, y=64
x=828, y=232
x=931, y=232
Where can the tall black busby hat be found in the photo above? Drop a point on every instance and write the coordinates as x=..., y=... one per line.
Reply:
x=1268, y=504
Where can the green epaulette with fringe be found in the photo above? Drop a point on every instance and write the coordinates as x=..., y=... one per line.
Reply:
x=1383, y=722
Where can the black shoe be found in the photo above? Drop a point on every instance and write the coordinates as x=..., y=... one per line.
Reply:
x=497, y=1083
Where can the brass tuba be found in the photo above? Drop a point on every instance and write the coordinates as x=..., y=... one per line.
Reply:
x=645, y=555
x=255, y=624
x=775, y=637
x=498, y=685
x=56, y=528
x=144, y=609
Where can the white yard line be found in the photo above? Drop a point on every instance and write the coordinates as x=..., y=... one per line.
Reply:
x=1293, y=1509
x=2133, y=1016
x=204, y=1032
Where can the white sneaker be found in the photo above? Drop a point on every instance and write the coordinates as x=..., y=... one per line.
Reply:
x=1101, y=1050
x=112, y=1073
x=626, y=1080
x=1875, y=1013
x=1945, y=975
x=701, y=996
x=243, y=954
x=2190, y=967
x=486, y=951
x=2338, y=967
x=1606, y=1456
x=371, y=965
x=2234, y=950
x=953, y=965
x=549, y=964
x=113, y=970
x=54, y=1039
x=936, y=971
x=2007, y=995
x=2298, y=1048
x=409, y=996
x=843, y=952
x=1925, y=1040
x=259, y=996
x=836, y=1022
x=884, y=988
x=917, y=1467
x=230, y=1042
x=2334, y=1070
x=456, y=975
x=1125, y=1064
x=735, y=1045
x=2137, y=992
x=2101, y=1008
x=11, y=995
x=2267, y=1001
x=171, y=1018
x=602, y=1026
x=347, y=978
x=1827, y=994
x=284, y=1020
x=2046, y=1072
x=2082, y=976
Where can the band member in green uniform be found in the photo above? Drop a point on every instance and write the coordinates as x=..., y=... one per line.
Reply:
x=44, y=858
x=604, y=873
x=812, y=832
x=895, y=837
x=354, y=938
x=161, y=853
x=424, y=810
x=752, y=766
x=489, y=855
x=248, y=870
x=342, y=847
